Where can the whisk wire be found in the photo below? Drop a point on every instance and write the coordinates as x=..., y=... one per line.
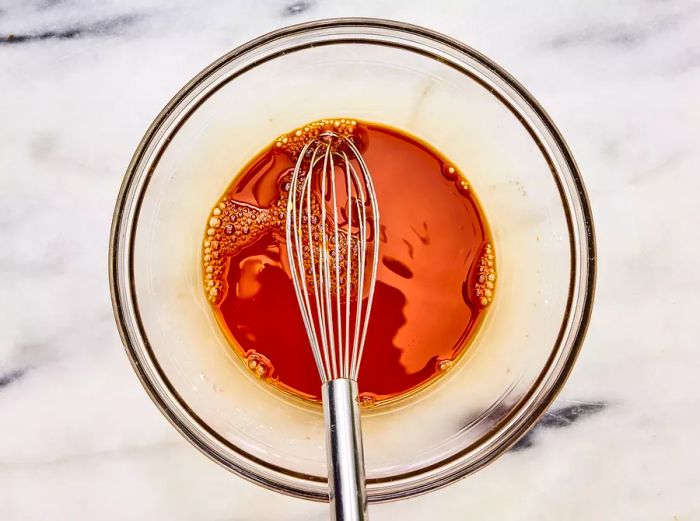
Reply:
x=348, y=261
x=324, y=294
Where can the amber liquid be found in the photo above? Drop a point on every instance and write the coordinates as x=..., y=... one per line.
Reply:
x=435, y=277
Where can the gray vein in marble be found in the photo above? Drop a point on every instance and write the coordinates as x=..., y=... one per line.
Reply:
x=624, y=34
x=134, y=451
x=11, y=377
x=296, y=8
x=558, y=418
x=104, y=27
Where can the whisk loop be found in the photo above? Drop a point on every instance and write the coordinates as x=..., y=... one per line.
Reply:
x=330, y=286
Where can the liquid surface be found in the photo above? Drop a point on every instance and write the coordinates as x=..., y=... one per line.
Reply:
x=435, y=280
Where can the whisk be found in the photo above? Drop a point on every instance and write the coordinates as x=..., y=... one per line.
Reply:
x=333, y=241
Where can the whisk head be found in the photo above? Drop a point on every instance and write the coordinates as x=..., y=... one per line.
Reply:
x=333, y=244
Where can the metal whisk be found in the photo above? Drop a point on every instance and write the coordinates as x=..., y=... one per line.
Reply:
x=333, y=241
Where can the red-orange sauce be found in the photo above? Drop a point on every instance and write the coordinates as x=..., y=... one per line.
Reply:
x=435, y=279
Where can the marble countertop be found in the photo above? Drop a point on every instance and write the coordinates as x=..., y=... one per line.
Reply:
x=81, y=81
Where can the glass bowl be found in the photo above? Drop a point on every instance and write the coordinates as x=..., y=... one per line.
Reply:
x=448, y=95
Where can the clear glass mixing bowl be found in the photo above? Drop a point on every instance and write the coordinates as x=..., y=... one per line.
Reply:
x=451, y=97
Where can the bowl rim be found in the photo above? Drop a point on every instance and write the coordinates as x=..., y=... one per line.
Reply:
x=281, y=479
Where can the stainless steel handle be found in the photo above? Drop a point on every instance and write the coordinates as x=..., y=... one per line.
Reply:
x=346, y=464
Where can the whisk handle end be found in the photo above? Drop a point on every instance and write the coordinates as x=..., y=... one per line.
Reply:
x=346, y=468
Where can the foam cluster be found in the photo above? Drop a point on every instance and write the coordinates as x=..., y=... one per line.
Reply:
x=232, y=227
x=293, y=142
x=486, y=279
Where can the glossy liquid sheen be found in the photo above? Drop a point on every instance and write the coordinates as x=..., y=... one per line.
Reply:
x=435, y=280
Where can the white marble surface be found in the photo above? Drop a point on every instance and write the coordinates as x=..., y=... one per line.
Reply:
x=79, y=83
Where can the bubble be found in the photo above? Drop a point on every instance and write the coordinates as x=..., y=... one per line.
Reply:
x=449, y=171
x=366, y=400
x=463, y=186
x=258, y=364
x=444, y=365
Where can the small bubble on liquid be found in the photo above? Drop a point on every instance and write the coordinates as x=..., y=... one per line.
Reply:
x=449, y=171
x=366, y=400
x=444, y=365
x=259, y=365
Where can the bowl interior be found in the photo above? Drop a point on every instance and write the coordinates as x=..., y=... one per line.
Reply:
x=478, y=121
